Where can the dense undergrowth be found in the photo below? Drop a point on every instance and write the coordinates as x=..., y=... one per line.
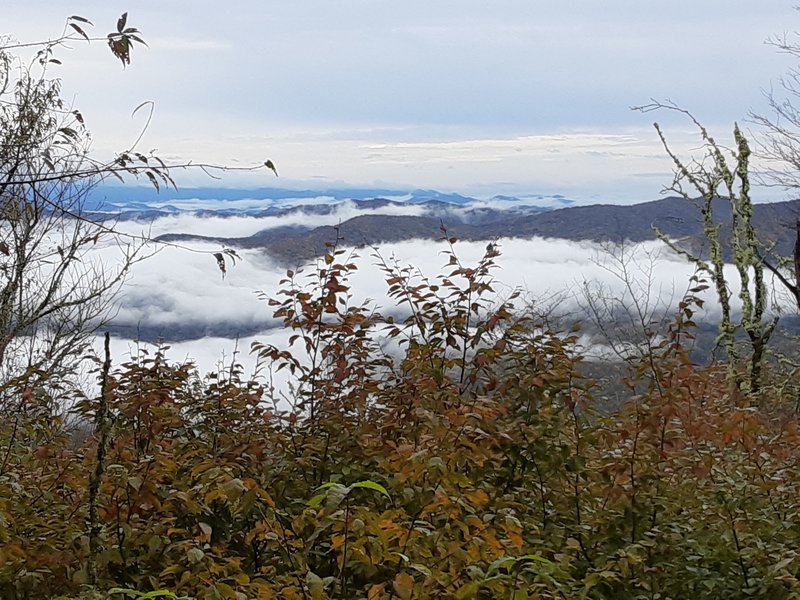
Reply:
x=463, y=459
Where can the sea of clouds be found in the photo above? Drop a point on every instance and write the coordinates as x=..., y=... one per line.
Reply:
x=179, y=295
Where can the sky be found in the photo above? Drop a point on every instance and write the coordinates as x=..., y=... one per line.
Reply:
x=482, y=98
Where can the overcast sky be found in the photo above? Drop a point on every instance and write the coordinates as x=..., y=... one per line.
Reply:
x=471, y=96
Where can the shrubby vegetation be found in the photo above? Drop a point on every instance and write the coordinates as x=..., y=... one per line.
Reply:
x=446, y=447
x=470, y=464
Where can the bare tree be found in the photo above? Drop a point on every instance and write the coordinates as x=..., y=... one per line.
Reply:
x=631, y=314
x=779, y=149
x=55, y=291
x=780, y=144
x=723, y=175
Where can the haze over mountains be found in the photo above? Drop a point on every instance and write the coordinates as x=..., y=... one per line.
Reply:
x=550, y=248
x=298, y=224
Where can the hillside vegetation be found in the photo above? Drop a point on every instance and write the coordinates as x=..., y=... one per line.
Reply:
x=469, y=464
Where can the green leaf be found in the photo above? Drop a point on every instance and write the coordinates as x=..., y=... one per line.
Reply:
x=225, y=590
x=536, y=558
x=516, y=560
x=332, y=493
x=499, y=563
x=335, y=495
x=371, y=485
x=316, y=500
x=421, y=569
x=315, y=585
x=148, y=595
x=195, y=555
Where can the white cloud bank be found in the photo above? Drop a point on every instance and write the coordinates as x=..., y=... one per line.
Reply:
x=178, y=290
x=234, y=226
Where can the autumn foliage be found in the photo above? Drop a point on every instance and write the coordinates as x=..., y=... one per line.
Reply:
x=447, y=447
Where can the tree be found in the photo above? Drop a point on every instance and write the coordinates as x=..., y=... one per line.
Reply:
x=723, y=175
x=780, y=148
x=780, y=144
x=54, y=291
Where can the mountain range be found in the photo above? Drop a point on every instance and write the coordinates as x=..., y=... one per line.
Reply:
x=291, y=230
x=113, y=198
x=378, y=219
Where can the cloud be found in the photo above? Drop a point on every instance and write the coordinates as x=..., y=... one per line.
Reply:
x=234, y=226
x=180, y=296
x=179, y=288
x=312, y=86
x=587, y=165
x=178, y=291
x=189, y=44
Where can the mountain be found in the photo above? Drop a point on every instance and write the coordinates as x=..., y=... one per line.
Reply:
x=114, y=197
x=677, y=218
x=422, y=196
x=293, y=233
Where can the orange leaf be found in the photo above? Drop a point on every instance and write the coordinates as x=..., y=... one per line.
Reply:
x=375, y=591
x=403, y=585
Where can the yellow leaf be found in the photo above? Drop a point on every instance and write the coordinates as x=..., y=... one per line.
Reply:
x=516, y=539
x=266, y=498
x=479, y=498
x=225, y=590
x=315, y=586
x=264, y=593
x=201, y=468
x=216, y=494
x=171, y=570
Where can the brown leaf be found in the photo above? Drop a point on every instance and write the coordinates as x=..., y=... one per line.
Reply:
x=375, y=591
x=403, y=585
x=80, y=31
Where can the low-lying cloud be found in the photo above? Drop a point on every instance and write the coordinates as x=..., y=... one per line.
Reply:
x=233, y=225
x=180, y=295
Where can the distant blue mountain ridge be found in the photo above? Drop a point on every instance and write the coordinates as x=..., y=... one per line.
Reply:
x=112, y=198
